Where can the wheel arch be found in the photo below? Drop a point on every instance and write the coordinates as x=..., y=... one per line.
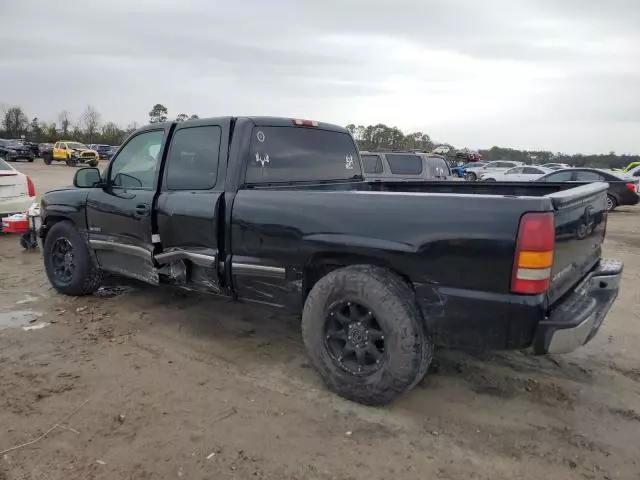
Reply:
x=321, y=264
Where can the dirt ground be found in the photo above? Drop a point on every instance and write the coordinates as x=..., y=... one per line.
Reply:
x=154, y=384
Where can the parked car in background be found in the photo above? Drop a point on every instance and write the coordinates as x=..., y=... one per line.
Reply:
x=556, y=166
x=17, y=191
x=524, y=173
x=622, y=190
x=460, y=170
x=12, y=151
x=404, y=166
x=72, y=153
x=104, y=151
x=45, y=148
x=472, y=174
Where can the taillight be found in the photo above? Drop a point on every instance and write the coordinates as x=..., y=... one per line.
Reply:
x=31, y=189
x=633, y=187
x=305, y=123
x=534, y=253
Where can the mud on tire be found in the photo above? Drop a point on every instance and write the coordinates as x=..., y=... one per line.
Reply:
x=86, y=275
x=407, y=347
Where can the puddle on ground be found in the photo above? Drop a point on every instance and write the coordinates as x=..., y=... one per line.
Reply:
x=25, y=319
x=112, y=291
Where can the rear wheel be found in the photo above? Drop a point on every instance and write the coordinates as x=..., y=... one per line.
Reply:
x=68, y=262
x=92, y=163
x=470, y=177
x=489, y=179
x=365, y=334
x=612, y=203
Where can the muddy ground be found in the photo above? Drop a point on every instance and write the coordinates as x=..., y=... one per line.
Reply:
x=165, y=384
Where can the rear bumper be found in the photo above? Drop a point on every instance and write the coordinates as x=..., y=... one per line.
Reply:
x=9, y=206
x=577, y=319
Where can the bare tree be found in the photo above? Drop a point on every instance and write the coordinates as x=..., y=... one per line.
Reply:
x=15, y=122
x=65, y=122
x=91, y=120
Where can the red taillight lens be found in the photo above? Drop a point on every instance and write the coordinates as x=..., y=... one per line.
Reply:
x=633, y=187
x=31, y=187
x=305, y=123
x=534, y=253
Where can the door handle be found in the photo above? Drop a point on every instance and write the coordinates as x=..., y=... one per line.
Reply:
x=142, y=210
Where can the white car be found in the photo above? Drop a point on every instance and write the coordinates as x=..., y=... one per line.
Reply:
x=17, y=191
x=499, y=166
x=525, y=173
x=556, y=166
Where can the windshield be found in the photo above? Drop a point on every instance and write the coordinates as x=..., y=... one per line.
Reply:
x=289, y=154
x=77, y=146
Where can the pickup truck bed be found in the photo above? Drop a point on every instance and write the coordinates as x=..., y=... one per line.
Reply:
x=275, y=211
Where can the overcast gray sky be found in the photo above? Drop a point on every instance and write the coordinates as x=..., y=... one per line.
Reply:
x=561, y=75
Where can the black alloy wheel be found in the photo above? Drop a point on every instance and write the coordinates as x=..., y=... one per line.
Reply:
x=63, y=259
x=353, y=338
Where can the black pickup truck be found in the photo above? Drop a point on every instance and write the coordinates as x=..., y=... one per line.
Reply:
x=276, y=211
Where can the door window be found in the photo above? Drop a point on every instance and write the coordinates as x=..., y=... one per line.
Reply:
x=136, y=164
x=558, y=177
x=404, y=164
x=588, y=177
x=532, y=171
x=514, y=171
x=440, y=166
x=371, y=163
x=193, y=158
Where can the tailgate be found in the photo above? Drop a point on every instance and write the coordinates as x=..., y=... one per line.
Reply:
x=580, y=219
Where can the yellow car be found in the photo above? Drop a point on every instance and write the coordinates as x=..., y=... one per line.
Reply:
x=72, y=153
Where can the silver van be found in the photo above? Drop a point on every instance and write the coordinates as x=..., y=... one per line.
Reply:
x=404, y=166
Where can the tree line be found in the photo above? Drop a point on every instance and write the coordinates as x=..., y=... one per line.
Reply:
x=89, y=127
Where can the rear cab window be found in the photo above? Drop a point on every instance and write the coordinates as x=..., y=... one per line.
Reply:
x=4, y=166
x=301, y=154
x=372, y=164
x=404, y=163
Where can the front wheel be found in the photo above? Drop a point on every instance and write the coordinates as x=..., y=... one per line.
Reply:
x=93, y=163
x=68, y=262
x=365, y=334
x=71, y=162
x=47, y=158
x=612, y=203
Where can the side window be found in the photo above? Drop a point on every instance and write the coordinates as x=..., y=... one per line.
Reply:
x=442, y=167
x=372, y=163
x=57, y=145
x=514, y=171
x=404, y=164
x=136, y=163
x=588, y=177
x=531, y=171
x=193, y=158
x=559, y=177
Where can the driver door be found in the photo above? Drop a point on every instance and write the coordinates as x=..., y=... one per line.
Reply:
x=120, y=215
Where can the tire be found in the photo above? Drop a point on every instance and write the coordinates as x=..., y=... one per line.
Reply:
x=407, y=348
x=47, y=159
x=489, y=179
x=455, y=174
x=86, y=276
x=93, y=163
x=31, y=160
x=470, y=177
x=612, y=203
x=71, y=162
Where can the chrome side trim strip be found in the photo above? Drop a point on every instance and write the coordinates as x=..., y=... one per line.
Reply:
x=257, y=270
x=198, y=258
x=121, y=247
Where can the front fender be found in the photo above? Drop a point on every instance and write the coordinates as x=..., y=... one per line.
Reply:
x=68, y=204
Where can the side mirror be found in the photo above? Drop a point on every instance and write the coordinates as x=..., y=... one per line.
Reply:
x=87, y=178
